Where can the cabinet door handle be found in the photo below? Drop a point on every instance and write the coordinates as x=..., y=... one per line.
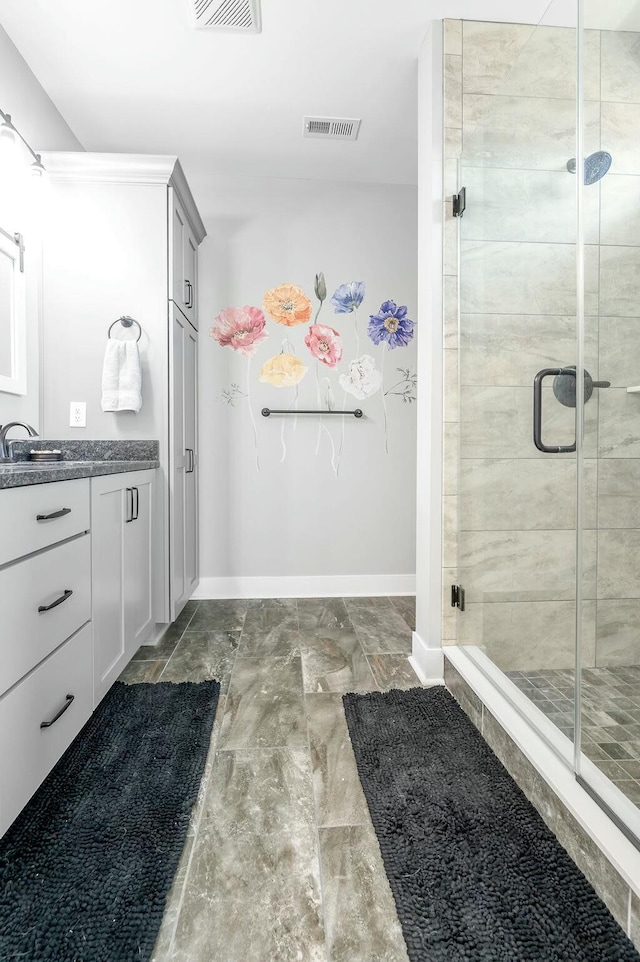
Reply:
x=54, y=514
x=129, y=518
x=192, y=461
x=54, y=604
x=189, y=297
x=66, y=705
x=137, y=509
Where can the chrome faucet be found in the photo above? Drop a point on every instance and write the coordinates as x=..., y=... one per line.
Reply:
x=6, y=453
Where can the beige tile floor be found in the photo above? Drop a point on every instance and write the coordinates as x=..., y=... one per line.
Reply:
x=281, y=861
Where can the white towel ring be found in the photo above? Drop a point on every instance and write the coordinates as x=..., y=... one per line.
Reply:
x=126, y=322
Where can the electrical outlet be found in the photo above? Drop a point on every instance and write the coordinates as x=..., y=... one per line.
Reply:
x=78, y=414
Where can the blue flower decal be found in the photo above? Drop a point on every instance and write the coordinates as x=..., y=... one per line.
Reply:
x=390, y=324
x=348, y=297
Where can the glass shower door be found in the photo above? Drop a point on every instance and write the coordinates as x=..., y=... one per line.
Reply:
x=518, y=348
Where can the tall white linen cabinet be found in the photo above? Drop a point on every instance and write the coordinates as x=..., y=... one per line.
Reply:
x=121, y=235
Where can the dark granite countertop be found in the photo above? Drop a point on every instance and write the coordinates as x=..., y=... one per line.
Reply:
x=81, y=459
x=30, y=472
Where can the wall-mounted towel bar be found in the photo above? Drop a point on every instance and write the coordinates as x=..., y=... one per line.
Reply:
x=266, y=412
x=126, y=322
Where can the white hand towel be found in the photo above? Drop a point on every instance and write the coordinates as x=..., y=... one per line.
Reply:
x=121, y=377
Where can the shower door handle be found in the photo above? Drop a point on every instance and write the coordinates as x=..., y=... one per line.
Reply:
x=537, y=411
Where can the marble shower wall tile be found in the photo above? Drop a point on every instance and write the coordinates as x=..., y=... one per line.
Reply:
x=620, y=210
x=453, y=37
x=507, y=278
x=490, y=51
x=528, y=133
x=510, y=566
x=360, y=916
x=451, y=312
x=619, y=492
x=523, y=494
x=621, y=66
x=450, y=576
x=338, y=793
x=619, y=563
x=618, y=424
x=549, y=627
x=497, y=422
x=618, y=633
x=619, y=125
x=620, y=348
x=619, y=281
x=507, y=350
x=525, y=205
x=450, y=458
x=450, y=522
x=452, y=91
x=450, y=385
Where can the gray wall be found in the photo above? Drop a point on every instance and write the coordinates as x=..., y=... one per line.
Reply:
x=294, y=518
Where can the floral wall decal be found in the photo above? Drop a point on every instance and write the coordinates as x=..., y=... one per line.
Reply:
x=231, y=394
x=363, y=378
x=325, y=344
x=288, y=304
x=241, y=328
x=406, y=388
x=346, y=300
x=392, y=328
x=244, y=329
x=283, y=370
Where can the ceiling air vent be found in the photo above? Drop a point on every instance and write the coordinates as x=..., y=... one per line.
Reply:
x=238, y=15
x=331, y=128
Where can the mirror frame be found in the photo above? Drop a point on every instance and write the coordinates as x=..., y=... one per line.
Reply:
x=11, y=245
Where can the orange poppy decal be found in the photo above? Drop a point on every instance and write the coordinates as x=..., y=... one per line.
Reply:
x=288, y=304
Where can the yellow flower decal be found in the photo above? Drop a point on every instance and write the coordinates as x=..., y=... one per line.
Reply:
x=288, y=305
x=283, y=370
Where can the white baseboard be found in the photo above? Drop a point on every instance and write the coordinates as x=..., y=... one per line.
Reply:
x=428, y=663
x=312, y=586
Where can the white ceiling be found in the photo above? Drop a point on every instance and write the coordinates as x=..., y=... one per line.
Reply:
x=136, y=77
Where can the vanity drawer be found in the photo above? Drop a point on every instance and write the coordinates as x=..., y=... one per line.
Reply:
x=28, y=752
x=43, y=581
x=37, y=515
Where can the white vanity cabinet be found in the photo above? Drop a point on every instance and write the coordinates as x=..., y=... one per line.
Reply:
x=134, y=229
x=121, y=571
x=46, y=669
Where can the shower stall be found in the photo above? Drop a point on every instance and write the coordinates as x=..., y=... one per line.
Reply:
x=541, y=488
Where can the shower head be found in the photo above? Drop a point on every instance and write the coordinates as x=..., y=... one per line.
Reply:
x=595, y=166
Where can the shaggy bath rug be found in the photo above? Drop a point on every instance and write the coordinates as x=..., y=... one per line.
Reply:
x=475, y=873
x=86, y=868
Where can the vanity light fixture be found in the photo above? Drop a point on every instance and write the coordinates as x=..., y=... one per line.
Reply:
x=9, y=137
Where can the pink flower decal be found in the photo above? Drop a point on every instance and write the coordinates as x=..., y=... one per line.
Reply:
x=241, y=328
x=324, y=343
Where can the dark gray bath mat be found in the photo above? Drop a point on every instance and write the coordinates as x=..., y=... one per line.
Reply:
x=475, y=873
x=86, y=868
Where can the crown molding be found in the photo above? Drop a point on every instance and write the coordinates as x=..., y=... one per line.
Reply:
x=141, y=169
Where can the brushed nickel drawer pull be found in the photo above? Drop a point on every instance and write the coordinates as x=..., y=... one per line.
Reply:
x=54, y=514
x=66, y=705
x=58, y=601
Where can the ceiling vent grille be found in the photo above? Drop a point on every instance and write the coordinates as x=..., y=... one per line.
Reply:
x=331, y=128
x=238, y=15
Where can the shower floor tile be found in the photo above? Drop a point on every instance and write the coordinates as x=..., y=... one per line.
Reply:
x=610, y=716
